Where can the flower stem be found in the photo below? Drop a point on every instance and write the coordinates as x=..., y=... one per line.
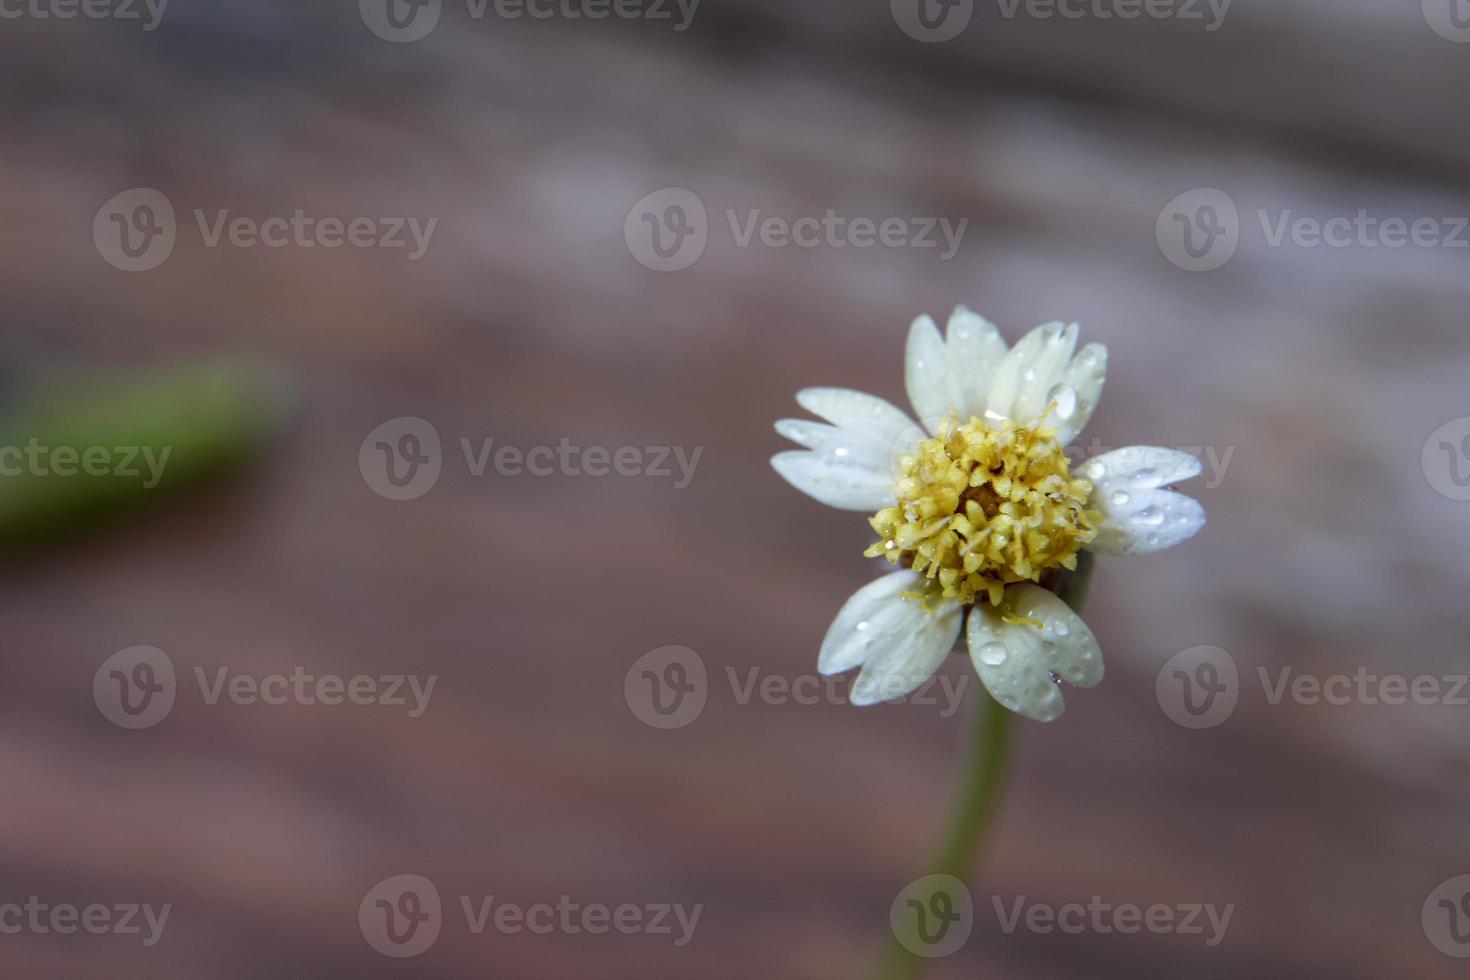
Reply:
x=974, y=811
x=975, y=804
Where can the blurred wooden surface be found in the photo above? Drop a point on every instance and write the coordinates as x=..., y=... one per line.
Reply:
x=528, y=321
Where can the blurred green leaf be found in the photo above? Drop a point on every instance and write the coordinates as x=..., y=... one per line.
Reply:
x=83, y=450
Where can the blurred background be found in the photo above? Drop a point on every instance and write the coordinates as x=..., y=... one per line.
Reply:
x=385, y=291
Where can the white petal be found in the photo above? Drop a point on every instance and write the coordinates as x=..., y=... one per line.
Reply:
x=1151, y=521
x=1045, y=373
x=852, y=637
x=931, y=388
x=1025, y=379
x=846, y=486
x=874, y=432
x=1085, y=377
x=897, y=643
x=913, y=656
x=1016, y=662
x=1138, y=516
x=857, y=412
x=840, y=445
x=975, y=349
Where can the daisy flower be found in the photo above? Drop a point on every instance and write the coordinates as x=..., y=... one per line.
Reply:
x=979, y=507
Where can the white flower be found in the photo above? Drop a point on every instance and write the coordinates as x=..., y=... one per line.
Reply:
x=981, y=509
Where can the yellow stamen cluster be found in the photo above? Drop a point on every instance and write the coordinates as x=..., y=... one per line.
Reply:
x=983, y=505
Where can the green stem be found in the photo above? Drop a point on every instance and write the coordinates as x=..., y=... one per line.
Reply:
x=974, y=811
x=975, y=805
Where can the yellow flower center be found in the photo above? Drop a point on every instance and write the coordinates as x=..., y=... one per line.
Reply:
x=983, y=505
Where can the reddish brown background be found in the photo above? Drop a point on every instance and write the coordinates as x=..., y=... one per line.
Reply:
x=529, y=321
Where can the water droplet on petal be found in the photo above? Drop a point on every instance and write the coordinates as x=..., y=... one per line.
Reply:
x=1065, y=399
x=1061, y=629
x=1120, y=497
x=993, y=654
